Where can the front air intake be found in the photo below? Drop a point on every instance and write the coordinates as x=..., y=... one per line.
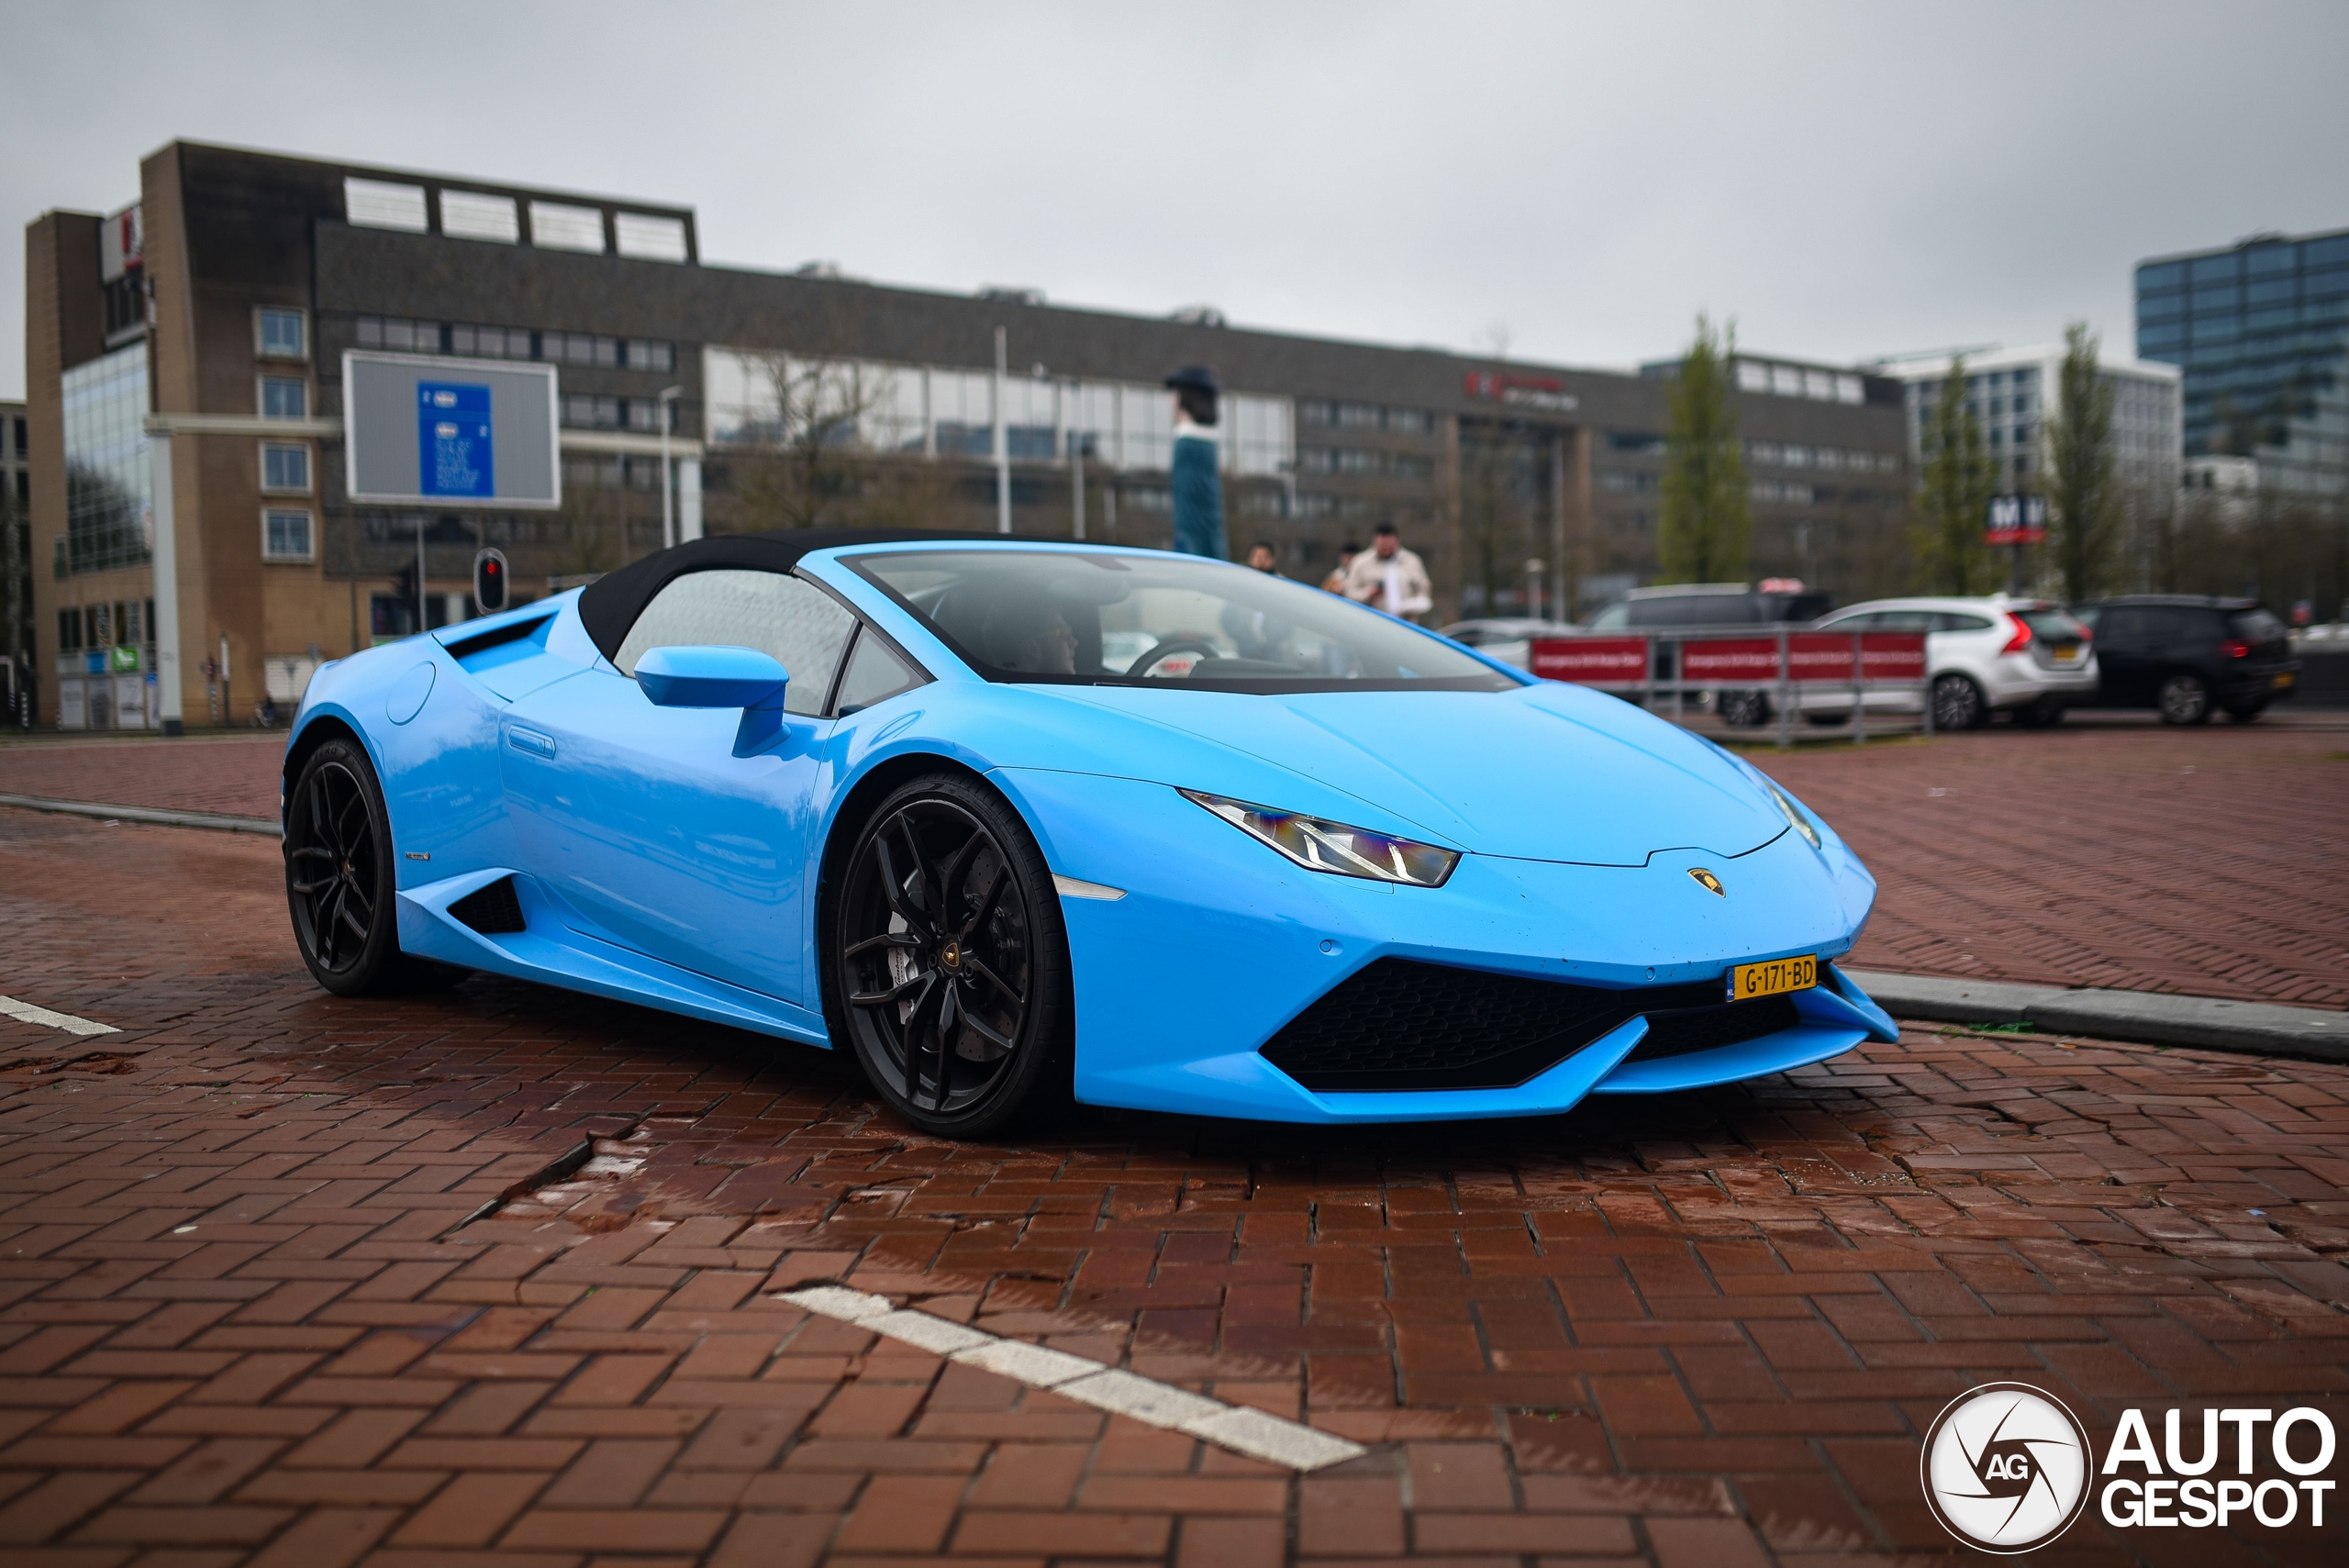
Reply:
x=494, y=910
x=1397, y=1024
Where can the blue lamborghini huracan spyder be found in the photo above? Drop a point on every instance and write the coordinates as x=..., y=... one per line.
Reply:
x=1015, y=820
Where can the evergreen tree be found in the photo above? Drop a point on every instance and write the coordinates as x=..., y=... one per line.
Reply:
x=1954, y=498
x=2082, y=498
x=1707, y=521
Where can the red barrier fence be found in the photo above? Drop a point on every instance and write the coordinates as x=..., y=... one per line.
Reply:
x=1773, y=673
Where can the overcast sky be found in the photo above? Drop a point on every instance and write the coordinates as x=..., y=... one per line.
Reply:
x=1845, y=179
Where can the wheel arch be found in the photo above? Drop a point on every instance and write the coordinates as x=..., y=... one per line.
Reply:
x=323, y=728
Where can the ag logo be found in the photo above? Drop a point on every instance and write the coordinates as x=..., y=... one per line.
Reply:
x=2006, y=1467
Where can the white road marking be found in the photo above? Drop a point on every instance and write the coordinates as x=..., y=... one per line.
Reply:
x=25, y=1012
x=1235, y=1426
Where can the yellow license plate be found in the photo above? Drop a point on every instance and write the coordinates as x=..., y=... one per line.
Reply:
x=1773, y=978
x=2067, y=656
x=2284, y=679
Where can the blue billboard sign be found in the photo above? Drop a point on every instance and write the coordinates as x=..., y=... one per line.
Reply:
x=455, y=456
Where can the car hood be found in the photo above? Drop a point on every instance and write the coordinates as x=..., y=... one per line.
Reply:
x=1548, y=771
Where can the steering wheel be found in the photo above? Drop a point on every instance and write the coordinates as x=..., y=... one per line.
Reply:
x=1141, y=667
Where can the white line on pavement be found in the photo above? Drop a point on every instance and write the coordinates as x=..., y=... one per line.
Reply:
x=1237, y=1427
x=27, y=1012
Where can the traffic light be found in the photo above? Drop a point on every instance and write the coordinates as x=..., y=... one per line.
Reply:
x=489, y=581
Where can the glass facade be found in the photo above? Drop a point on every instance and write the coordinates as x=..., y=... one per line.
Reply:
x=2261, y=331
x=108, y=485
x=928, y=411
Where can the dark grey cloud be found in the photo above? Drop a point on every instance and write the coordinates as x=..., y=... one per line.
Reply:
x=1844, y=179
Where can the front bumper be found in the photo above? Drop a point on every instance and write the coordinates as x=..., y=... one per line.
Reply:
x=1219, y=943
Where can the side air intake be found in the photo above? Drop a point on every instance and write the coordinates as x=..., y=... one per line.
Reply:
x=492, y=910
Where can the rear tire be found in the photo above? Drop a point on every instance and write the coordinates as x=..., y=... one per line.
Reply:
x=1958, y=704
x=341, y=885
x=946, y=962
x=2184, y=698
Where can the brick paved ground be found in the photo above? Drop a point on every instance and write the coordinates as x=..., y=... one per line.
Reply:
x=233, y=775
x=2208, y=862
x=245, y=1320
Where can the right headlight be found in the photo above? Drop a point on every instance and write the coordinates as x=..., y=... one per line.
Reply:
x=1318, y=844
x=1795, y=814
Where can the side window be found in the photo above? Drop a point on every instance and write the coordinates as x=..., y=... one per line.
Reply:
x=1872, y=620
x=1614, y=618
x=2182, y=628
x=1951, y=621
x=2121, y=624
x=806, y=628
x=876, y=674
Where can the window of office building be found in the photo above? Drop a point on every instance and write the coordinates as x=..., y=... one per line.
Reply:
x=285, y=466
x=558, y=226
x=648, y=237
x=285, y=534
x=476, y=214
x=284, y=397
x=281, y=334
x=107, y=482
x=763, y=399
x=379, y=204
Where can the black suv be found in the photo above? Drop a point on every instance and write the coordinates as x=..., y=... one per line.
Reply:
x=2185, y=656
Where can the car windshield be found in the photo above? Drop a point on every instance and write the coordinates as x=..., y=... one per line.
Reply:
x=1130, y=619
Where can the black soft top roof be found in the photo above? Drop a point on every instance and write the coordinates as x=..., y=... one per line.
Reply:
x=610, y=605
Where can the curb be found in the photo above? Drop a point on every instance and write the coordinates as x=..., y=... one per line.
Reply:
x=266, y=826
x=2149, y=1017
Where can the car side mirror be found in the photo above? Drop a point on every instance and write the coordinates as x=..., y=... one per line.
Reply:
x=710, y=676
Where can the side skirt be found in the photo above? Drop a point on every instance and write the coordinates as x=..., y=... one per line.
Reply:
x=554, y=950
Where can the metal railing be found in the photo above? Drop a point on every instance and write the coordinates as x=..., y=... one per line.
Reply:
x=1728, y=668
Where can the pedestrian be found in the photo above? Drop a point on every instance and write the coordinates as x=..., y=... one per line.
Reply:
x=1336, y=582
x=1389, y=577
x=1197, y=487
x=1262, y=557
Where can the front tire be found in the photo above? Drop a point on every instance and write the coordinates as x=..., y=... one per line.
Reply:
x=341, y=884
x=2184, y=699
x=947, y=961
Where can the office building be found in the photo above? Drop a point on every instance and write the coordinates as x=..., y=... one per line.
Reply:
x=2014, y=393
x=200, y=331
x=2261, y=331
x=16, y=567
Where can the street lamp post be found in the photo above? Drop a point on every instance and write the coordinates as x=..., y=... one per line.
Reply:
x=669, y=395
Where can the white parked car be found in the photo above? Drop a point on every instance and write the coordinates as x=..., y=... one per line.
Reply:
x=2026, y=657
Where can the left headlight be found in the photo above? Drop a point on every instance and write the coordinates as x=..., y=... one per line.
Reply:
x=1318, y=844
x=1795, y=814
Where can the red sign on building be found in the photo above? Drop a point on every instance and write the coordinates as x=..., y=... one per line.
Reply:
x=1739, y=661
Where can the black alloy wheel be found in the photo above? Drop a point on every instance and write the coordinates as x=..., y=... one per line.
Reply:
x=339, y=881
x=2184, y=698
x=949, y=966
x=1957, y=703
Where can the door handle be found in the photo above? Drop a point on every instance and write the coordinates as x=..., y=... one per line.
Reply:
x=530, y=741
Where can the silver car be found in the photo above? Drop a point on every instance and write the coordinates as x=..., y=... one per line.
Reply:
x=2027, y=657
x=1509, y=641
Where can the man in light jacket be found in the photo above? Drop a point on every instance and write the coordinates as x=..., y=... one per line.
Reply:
x=1390, y=578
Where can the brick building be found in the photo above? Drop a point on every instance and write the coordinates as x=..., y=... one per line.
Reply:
x=208, y=319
